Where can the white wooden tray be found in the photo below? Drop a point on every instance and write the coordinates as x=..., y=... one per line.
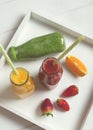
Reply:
x=29, y=108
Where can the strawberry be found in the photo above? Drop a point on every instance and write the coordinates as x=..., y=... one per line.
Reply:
x=47, y=107
x=63, y=104
x=70, y=91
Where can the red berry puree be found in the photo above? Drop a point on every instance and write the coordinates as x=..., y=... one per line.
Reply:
x=50, y=72
x=50, y=66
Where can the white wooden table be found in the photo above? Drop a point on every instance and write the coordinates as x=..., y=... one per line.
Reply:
x=72, y=13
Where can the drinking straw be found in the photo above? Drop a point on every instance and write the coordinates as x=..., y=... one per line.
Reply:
x=79, y=39
x=8, y=59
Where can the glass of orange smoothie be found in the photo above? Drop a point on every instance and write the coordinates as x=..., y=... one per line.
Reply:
x=22, y=83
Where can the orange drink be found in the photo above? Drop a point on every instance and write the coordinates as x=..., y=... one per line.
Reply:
x=22, y=83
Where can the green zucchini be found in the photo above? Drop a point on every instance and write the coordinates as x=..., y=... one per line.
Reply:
x=37, y=47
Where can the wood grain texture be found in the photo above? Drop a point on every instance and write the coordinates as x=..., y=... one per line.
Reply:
x=72, y=13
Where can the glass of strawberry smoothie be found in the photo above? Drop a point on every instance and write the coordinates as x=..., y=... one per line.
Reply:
x=50, y=72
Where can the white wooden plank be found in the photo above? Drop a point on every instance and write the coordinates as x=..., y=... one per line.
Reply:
x=33, y=127
x=88, y=123
x=12, y=13
x=80, y=20
x=9, y=121
x=5, y=1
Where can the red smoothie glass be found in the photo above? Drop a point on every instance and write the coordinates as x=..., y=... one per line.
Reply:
x=50, y=72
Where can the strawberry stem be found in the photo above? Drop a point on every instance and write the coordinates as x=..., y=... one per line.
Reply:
x=47, y=114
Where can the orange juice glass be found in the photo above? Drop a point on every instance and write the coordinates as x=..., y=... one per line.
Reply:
x=22, y=83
